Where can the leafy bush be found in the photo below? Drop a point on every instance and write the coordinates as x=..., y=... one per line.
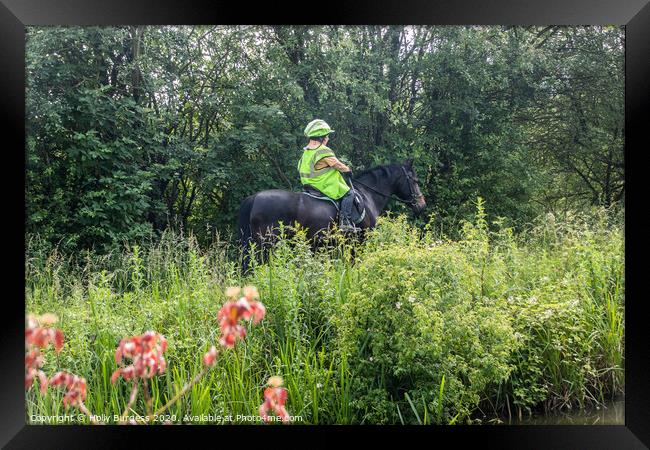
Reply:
x=411, y=322
x=568, y=311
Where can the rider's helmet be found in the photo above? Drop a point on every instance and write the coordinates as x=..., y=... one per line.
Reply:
x=317, y=128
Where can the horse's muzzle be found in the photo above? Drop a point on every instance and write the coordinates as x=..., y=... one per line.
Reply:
x=419, y=205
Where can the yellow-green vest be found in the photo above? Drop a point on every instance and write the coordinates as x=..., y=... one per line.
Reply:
x=327, y=180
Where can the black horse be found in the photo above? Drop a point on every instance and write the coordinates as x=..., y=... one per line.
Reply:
x=260, y=214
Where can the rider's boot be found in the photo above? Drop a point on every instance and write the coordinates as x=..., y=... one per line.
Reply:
x=347, y=226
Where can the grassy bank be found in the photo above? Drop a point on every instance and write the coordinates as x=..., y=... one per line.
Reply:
x=414, y=328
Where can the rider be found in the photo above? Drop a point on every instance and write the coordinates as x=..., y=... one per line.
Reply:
x=320, y=168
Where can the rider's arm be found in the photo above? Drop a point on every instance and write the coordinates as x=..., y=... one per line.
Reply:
x=333, y=161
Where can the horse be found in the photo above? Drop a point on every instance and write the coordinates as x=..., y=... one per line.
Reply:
x=260, y=214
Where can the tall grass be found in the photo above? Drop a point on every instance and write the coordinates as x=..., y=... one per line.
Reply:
x=408, y=327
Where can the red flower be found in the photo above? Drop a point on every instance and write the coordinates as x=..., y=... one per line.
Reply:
x=253, y=309
x=75, y=385
x=233, y=311
x=126, y=372
x=145, y=352
x=229, y=314
x=30, y=375
x=37, y=337
x=230, y=333
x=275, y=397
x=210, y=357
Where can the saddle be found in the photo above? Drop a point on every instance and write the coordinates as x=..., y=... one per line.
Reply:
x=315, y=193
x=356, y=209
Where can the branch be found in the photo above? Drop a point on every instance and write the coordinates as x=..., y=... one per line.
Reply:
x=266, y=153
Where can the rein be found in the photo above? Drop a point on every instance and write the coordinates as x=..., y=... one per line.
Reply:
x=411, y=202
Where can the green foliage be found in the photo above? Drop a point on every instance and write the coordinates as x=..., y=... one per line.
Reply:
x=89, y=176
x=136, y=129
x=510, y=323
x=570, y=317
x=414, y=320
x=409, y=327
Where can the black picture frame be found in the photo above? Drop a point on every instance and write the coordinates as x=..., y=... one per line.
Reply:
x=15, y=15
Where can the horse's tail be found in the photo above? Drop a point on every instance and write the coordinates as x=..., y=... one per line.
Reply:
x=244, y=233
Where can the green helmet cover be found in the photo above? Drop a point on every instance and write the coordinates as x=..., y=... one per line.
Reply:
x=317, y=128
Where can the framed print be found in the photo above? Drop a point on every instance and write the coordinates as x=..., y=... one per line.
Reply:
x=392, y=219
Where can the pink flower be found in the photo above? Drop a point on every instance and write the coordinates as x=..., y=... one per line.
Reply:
x=275, y=397
x=37, y=337
x=250, y=292
x=30, y=376
x=126, y=372
x=233, y=311
x=253, y=309
x=229, y=314
x=75, y=386
x=145, y=352
x=210, y=357
x=229, y=334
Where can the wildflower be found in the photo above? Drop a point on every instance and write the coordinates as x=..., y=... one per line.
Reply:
x=251, y=309
x=75, y=385
x=210, y=357
x=275, y=397
x=275, y=381
x=232, y=311
x=319, y=385
x=250, y=292
x=33, y=362
x=37, y=337
x=232, y=292
x=145, y=351
x=411, y=299
x=48, y=319
x=398, y=305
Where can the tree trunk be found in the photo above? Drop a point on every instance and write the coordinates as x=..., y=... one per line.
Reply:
x=136, y=75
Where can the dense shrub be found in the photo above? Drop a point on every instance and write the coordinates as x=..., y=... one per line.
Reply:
x=410, y=323
x=509, y=322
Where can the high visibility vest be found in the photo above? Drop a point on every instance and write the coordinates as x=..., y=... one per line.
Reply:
x=328, y=180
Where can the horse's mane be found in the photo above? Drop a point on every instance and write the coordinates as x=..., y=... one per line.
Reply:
x=375, y=171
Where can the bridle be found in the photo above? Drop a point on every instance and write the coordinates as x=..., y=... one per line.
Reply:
x=410, y=180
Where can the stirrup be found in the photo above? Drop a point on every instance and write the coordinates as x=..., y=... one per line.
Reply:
x=348, y=227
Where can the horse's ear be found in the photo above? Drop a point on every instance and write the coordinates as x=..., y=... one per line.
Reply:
x=409, y=163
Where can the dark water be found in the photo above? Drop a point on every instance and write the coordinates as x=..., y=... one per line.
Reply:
x=613, y=413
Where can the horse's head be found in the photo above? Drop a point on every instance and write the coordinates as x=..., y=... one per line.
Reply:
x=408, y=189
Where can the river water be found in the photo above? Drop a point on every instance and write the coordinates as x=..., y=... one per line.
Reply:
x=613, y=413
